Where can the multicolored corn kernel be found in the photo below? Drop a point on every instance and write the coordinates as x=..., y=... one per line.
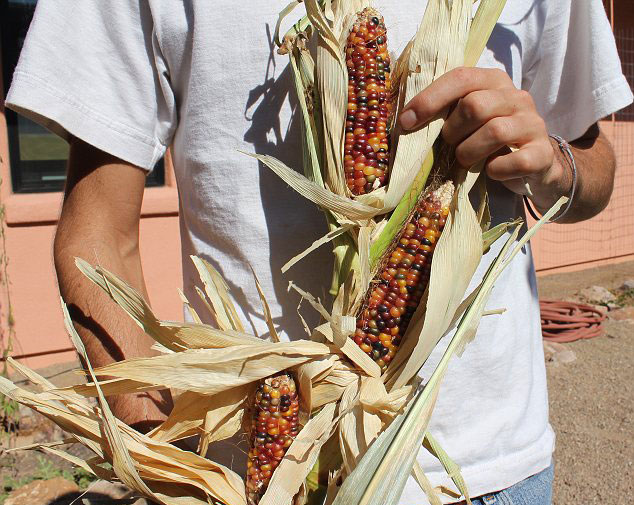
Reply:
x=398, y=288
x=367, y=146
x=275, y=425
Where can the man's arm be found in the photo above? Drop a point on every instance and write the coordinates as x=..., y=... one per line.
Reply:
x=487, y=113
x=100, y=223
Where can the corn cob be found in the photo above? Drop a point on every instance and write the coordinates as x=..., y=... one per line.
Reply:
x=366, y=149
x=275, y=425
x=399, y=286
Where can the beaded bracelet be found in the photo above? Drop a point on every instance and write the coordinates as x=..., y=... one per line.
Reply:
x=564, y=147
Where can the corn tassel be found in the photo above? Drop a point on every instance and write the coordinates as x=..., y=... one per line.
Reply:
x=366, y=149
x=401, y=282
x=275, y=425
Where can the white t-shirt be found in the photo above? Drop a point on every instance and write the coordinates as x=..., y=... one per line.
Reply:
x=133, y=77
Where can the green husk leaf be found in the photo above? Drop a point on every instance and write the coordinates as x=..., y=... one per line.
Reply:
x=452, y=469
x=401, y=212
x=491, y=236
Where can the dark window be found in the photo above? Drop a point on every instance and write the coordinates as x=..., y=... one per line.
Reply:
x=37, y=157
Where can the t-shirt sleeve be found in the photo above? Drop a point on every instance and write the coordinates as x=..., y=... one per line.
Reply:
x=577, y=78
x=93, y=69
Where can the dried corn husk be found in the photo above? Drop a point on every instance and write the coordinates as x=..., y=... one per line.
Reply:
x=171, y=476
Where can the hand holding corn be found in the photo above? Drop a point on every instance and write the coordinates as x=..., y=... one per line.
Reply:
x=485, y=114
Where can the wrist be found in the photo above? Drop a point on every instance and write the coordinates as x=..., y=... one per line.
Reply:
x=555, y=182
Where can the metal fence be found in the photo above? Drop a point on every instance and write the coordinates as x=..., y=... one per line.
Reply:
x=609, y=237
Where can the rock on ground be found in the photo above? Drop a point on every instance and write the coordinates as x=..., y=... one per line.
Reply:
x=624, y=314
x=597, y=294
x=42, y=492
x=627, y=285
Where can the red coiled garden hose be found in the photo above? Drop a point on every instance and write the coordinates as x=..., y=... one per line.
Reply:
x=567, y=321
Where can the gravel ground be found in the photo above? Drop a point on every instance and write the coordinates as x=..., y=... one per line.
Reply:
x=591, y=402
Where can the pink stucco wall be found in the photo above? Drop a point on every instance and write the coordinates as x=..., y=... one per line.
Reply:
x=608, y=237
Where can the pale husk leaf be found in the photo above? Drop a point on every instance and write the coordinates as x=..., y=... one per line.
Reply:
x=190, y=309
x=31, y=375
x=438, y=46
x=425, y=484
x=131, y=302
x=359, y=426
x=266, y=309
x=180, y=471
x=89, y=466
x=174, y=336
x=215, y=370
x=481, y=27
x=308, y=374
x=319, y=195
x=331, y=79
x=350, y=350
x=122, y=462
x=303, y=68
x=193, y=411
x=224, y=311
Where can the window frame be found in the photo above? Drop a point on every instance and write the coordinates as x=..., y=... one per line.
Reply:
x=18, y=167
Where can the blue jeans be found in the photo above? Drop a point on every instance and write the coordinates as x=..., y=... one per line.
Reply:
x=536, y=490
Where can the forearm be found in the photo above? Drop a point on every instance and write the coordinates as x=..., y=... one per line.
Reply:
x=100, y=223
x=108, y=333
x=595, y=162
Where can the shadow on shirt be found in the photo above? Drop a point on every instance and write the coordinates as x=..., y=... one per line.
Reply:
x=293, y=222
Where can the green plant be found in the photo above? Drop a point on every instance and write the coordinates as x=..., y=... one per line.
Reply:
x=625, y=297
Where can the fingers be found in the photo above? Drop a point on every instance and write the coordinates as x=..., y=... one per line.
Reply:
x=489, y=114
x=433, y=101
x=478, y=108
x=516, y=130
x=531, y=159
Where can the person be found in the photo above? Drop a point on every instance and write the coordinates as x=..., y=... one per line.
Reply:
x=122, y=81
